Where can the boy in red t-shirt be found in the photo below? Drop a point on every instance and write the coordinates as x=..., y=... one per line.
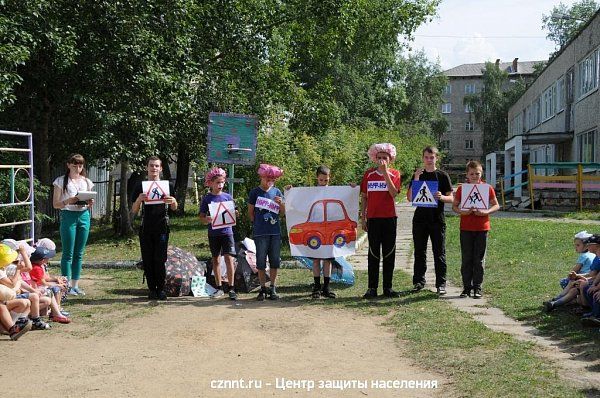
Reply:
x=474, y=226
x=378, y=188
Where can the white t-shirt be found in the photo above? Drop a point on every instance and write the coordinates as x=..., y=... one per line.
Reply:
x=2, y=273
x=73, y=186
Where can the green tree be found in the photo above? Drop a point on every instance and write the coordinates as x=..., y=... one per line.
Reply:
x=564, y=22
x=490, y=106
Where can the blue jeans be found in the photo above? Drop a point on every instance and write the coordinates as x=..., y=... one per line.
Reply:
x=268, y=245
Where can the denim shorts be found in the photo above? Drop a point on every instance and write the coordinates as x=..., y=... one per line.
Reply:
x=268, y=246
x=24, y=295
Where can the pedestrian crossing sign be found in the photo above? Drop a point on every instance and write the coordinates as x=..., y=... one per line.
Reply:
x=422, y=193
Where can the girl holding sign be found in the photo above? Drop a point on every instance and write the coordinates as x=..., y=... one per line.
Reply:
x=74, y=219
x=265, y=204
x=474, y=226
x=220, y=233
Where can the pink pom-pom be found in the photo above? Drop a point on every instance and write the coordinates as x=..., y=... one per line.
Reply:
x=212, y=174
x=388, y=148
x=269, y=171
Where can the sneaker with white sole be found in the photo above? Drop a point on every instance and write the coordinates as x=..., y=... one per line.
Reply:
x=217, y=294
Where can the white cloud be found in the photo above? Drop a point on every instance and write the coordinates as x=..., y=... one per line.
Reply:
x=472, y=50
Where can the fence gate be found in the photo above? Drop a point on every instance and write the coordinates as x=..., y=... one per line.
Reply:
x=13, y=172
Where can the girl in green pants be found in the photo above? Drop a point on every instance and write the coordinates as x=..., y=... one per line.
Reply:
x=74, y=219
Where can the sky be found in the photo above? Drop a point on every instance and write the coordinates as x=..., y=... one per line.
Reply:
x=487, y=30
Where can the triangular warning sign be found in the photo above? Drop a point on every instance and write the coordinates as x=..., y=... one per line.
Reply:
x=223, y=217
x=474, y=200
x=423, y=195
x=155, y=193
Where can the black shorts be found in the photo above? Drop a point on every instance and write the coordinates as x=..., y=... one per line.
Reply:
x=222, y=244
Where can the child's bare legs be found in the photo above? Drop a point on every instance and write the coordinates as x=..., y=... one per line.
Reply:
x=230, y=271
x=54, y=306
x=19, y=306
x=216, y=264
x=35, y=305
x=5, y=318
x=45, y=303
x=273, y=275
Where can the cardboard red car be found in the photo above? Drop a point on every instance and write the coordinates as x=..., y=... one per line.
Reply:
x=327, y=224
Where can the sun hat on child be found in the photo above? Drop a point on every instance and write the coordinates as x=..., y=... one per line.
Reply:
x=212, y=174
x=47, y=243
x=269, y=171
x=386, y=147
x=7, y=255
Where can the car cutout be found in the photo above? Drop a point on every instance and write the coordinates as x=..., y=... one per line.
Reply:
x=327, y=224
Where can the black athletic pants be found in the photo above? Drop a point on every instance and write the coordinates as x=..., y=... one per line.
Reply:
x=154, y=255
x=382, y=243
x=422, y=232
x=472, y=248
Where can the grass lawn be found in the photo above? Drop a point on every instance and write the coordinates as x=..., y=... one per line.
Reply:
x=524, y=262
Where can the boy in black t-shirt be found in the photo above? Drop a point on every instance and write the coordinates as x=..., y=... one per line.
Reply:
x=429, y=223
x=154, y=231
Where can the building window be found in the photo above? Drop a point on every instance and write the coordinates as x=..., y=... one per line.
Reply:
x=468, y=108
x=470, y=88
x=548, y=105
x=536, y=112
x=588, y=73
x=468, y=144
x=447, y=107
x=528, y=121
x=448, y=89
x=560, y=94
x=469, y=126
x=586, y=147
x=449, y=127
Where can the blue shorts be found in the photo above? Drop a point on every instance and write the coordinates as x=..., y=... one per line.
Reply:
x=268, y=245
x=24, y=295
x=221, y=244
x=564, y=282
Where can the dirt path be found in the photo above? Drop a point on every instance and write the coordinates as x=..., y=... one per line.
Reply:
x=573, y=366
x=179, y=348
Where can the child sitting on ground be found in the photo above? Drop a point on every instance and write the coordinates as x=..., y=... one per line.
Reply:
x=591, y=292
x=578, y=274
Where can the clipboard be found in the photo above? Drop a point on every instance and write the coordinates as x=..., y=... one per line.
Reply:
x=86, y=195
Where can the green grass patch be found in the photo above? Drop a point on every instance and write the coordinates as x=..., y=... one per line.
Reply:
x=524, y=263
x=477, y=360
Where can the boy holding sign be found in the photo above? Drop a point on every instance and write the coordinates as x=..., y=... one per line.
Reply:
x=265, y=204
x=220, y=234
x=154, y=230
x=474, y=207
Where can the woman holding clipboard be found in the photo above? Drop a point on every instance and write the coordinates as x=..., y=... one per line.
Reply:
x=74, y=218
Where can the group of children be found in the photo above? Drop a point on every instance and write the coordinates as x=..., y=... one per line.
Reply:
x=582, y=284
x=28, y=293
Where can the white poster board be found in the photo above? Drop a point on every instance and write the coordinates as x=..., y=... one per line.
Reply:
x=475, y=196
x=222, y=213
x=322, y=221
x=155, y=191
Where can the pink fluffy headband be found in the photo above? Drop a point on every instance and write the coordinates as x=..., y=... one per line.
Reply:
x=267, y=170
x=388, y=148
x=213, y=173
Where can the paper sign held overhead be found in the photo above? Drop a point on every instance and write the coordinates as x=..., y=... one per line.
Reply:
x=422, y=193
x=155, y=191
x=475, y=196
x=223, y=214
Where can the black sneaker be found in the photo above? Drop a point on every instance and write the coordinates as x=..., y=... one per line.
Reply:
x=261, y=294
x=153, y=295
x=19, y=329
x=418, y=287
x=441, y=290
x=316, y=292
x=477, y=293
x=465, y=293
x=38, y=324
x=590, y=322
x=232, y=294
x=328, y=294
x=162, y=295
x=370, y=294
x=548, y=306
x=390, y=293
x=273, y=294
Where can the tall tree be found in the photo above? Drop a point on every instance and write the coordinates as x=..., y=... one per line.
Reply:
x=564, y=22
x=490, y=106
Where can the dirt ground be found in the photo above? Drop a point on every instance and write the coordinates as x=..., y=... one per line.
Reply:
x=185, y=347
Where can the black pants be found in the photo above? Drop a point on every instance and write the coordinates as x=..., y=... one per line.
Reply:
x=472, y=247
x=382, y=243
x=154, y=255
x=437, y=233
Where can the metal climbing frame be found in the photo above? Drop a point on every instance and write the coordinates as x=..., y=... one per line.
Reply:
x=14, y=170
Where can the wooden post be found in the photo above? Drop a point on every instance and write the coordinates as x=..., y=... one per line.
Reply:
x=580, y=185
x=531, y=180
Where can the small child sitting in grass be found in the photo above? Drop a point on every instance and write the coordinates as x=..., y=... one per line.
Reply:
x=578, y=274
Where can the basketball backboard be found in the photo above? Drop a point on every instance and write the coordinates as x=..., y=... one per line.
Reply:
x=232, y=138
